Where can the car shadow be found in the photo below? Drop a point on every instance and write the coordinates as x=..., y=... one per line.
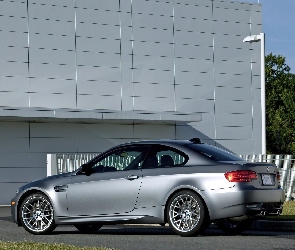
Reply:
x=118, y=230
x=150, y=230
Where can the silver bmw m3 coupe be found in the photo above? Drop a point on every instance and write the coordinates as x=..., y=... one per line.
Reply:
x=185, y=183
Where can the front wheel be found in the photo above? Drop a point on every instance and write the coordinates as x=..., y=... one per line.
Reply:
x=88, y=228
x=36, y=214
x=186, y=214
x=233, y=227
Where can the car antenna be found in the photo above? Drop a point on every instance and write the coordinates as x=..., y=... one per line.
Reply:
x=196, y=140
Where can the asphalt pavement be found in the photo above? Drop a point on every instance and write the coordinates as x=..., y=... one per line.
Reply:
x=147, y=237
x=270, y=225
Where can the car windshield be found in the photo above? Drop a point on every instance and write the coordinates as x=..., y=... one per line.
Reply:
x=214, y=153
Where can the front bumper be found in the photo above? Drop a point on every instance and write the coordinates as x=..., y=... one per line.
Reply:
x=13, y=209
x=13, y=213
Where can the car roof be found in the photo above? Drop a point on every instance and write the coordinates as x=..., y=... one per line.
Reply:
x=161, y=141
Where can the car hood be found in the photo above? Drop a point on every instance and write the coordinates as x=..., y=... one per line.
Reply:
x=35, y=182
x=55, y=176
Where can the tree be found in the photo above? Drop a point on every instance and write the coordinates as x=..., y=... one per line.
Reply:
x=280, y=106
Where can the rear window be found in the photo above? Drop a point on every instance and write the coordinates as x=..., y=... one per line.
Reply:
x=214, y=153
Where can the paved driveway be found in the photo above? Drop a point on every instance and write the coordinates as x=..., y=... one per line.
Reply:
x=148, y=237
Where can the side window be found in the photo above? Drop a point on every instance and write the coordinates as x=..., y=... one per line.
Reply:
x=169, y=158
x=121, y=159
x=163, y=156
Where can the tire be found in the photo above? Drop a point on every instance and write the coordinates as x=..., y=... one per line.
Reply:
x=88, y=228
x=36, y=214
x=232, y=227
x=186, y=214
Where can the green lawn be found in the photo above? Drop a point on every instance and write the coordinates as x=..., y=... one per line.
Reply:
x=288, y=212
x=44, y=246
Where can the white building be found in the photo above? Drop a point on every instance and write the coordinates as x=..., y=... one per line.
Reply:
x=84, y=75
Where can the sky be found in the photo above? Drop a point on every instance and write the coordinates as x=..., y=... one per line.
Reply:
x=278, y=24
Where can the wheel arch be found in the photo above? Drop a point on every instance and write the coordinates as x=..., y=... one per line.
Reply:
x=184, y=188
x=26, y=194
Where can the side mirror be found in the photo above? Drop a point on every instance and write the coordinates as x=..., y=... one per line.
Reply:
x=86, y=169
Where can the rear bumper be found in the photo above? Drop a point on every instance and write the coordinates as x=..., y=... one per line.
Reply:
x=270, y=208
x=234, y=202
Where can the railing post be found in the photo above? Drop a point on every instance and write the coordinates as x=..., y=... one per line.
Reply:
x=291, y=185
x=285, y=171
x=51, y=164
x=269, y=158
x=278, y=161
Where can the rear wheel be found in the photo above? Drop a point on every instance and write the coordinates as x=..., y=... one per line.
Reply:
x=88, y=228
x=36, y=214
x=233, y=227
x=186, y=214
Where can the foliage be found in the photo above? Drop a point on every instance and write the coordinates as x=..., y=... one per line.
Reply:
x=280, y=106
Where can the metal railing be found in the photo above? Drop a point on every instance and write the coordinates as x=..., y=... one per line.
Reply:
x=286, y=167
x=62, y=163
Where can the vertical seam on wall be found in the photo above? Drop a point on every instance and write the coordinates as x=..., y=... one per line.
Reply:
x=121, y=71
x=76, y=75
x=132, y=67
x=28, y=28
x=29, y=141
x=251, y=79
x=174, y=68
x=213, y=72
x=120, y=23
x=174, y=62
x=132, y=76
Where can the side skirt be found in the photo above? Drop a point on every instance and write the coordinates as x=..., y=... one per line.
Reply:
x=115, y=219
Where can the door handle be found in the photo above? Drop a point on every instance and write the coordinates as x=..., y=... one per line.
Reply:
x=131, y=177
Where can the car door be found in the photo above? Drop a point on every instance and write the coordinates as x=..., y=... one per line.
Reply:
x=161, y=176
x=111, y=188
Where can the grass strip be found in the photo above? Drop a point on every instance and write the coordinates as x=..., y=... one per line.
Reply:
x=44, y=246
x=288, y=213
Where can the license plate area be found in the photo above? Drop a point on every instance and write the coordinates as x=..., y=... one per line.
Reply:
x=267, y=180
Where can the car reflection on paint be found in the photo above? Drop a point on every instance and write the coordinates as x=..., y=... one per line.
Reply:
x=185, y=183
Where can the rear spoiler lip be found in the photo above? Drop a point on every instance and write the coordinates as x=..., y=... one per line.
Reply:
x=249, y=164
x=265, y=164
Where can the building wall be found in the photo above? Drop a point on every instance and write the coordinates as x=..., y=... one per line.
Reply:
x=155, y=56
x=24, y=146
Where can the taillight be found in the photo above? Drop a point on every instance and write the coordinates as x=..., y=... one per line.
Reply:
x=240, y=176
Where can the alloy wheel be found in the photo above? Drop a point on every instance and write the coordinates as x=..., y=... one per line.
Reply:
x=36, y=214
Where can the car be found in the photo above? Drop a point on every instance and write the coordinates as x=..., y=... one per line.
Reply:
x=185, y=183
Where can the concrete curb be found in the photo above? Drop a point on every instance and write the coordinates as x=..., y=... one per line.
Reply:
x=269, y=225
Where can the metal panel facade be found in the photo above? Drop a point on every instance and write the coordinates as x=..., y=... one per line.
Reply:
x=123, y=55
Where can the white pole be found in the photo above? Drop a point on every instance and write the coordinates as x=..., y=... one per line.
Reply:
x=263, y=115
